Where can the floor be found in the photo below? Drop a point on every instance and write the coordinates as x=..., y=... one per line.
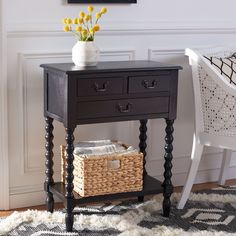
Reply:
x=177, y=189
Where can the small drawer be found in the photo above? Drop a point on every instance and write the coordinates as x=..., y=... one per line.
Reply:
x=147, y=84
x=100, y=86
x=124, y=107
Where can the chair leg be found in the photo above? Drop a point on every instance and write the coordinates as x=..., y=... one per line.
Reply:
x=225, y=165
x=195, y=157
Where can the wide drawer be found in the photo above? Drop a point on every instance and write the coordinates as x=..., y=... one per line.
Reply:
x=100, y=86
x=148, y=84
x=126, y=107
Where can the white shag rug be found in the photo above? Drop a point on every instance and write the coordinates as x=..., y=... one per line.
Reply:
x=205, y=214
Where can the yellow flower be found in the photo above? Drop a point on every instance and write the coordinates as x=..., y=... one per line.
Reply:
x=64, y=21
x=96, y=28
x=78, y=28
x=103, y=10
x=91, y=31
x=75, y=21
x=87, y=17
x=82, y=14
x=90, y=8
x=67, y=28
x=84, y=26
x=80, y=20
x=98, y=15
x=84, y=32
x=69, y=21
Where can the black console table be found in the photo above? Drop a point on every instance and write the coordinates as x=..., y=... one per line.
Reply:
x=108, y=92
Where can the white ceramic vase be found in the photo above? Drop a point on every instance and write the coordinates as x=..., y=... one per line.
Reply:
x=85, y=53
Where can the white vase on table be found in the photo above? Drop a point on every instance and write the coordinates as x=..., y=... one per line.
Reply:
x=85, y=53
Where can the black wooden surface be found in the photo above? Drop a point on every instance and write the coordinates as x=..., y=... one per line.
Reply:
x=69, y=186
x=49, y=163
x=147, y=86
x=150, y=186
x=142, y=143
x=100, y=86
x=167, y=184
x=122, y=107
x=112, y=66
x=108, y=92
x=102, y=1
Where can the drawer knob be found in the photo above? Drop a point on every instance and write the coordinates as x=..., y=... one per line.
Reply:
x=124, y=109
x=149, y=86
x=103, y=88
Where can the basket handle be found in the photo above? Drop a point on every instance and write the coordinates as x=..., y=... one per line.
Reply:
x=114, y=164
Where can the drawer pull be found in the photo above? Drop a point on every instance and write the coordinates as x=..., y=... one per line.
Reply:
x=147, y=86
x=101, y=89
x=124, y=109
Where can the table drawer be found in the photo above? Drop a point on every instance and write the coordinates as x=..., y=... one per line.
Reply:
x=148, y=84
x=100, y=86
x=126, y=107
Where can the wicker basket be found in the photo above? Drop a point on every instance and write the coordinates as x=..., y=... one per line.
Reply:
x=108, y=174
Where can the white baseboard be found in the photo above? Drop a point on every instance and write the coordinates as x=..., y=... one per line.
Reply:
x=28, y=199
x=204, y=176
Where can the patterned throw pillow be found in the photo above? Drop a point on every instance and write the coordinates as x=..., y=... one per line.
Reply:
x=226, y=66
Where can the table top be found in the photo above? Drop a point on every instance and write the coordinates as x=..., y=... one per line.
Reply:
x=112, y=66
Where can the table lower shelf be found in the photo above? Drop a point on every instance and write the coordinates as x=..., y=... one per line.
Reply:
x=150, y=186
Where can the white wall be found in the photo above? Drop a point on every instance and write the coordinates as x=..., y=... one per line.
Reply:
x=151, y=29
x=4, y=180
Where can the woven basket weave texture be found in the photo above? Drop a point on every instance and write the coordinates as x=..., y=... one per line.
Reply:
x=106, y=174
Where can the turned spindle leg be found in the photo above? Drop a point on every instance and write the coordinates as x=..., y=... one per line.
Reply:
x=167, y=184
x=49, y=163
x=69, y=179
x=142, y=148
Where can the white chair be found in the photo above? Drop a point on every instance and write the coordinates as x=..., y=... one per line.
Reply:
x=215, y=113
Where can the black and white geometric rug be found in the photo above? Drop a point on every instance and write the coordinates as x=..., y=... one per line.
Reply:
x=211, y=212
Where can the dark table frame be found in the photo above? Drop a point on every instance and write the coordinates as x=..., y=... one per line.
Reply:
x=133, y=90
x=102, y=1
